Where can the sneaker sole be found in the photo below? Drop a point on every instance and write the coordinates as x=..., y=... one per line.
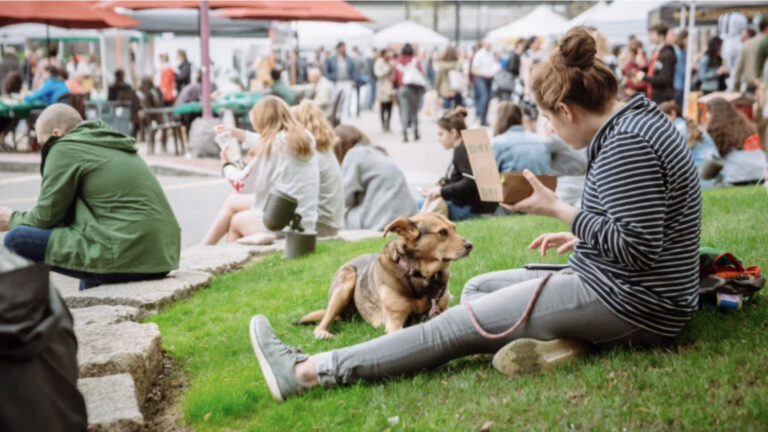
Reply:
x=528, y=356
x=269, y=376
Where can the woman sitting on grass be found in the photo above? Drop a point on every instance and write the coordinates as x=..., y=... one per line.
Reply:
x=701, y=144
x=375, y=190
x=458, y=187
x=330, y=202
x=515, y=148
x=634, y=271
x=281, y=157
x=737, y=142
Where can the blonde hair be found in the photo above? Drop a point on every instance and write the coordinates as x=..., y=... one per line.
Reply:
x=310, y=116
x=270, y=116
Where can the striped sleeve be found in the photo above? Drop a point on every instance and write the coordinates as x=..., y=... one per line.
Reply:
x=632, y=192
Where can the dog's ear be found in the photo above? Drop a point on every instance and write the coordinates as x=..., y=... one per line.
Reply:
x=403, y=227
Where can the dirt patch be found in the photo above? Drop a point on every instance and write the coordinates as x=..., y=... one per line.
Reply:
x=161, y=409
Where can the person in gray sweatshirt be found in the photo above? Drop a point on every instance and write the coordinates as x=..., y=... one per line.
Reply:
x=375, y=189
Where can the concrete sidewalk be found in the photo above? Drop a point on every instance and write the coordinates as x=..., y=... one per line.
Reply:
x=423, y=162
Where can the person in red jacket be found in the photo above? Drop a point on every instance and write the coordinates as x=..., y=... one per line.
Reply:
x=166, y=80
x=408, y=78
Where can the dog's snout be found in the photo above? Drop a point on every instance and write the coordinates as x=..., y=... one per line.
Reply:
x=468, y=246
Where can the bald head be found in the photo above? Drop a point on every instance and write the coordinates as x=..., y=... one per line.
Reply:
x=56, y=120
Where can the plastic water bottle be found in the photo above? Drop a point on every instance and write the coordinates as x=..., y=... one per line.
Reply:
x=229, y=144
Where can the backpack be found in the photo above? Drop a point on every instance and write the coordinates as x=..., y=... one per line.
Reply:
x=412, y=75
x=724, y=281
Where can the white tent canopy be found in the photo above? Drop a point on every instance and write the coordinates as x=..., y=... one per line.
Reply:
x=316, y=34
x=585, y=18
x=409, y=32
x=623, y=18
x=542, y=21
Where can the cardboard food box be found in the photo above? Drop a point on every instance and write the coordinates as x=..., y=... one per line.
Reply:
x=507, y=188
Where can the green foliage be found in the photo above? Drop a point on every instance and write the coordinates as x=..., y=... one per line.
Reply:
x=714, y=378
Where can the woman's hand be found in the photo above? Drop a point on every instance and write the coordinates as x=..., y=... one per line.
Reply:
x=564, y=242
x=431, y=193
x=236, y=133
x=5, y=218
x=543, y=202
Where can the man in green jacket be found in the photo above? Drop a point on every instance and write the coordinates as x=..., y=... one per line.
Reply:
x=101, y=216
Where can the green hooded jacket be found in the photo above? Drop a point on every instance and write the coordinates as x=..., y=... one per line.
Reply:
x=106, y=208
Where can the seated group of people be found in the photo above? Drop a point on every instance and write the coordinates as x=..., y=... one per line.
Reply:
x=726, y=148
x=633, y=276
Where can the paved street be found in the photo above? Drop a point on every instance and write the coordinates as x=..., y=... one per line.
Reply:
x=196, y=200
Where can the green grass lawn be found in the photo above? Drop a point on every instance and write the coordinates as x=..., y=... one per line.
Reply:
x=714, y=378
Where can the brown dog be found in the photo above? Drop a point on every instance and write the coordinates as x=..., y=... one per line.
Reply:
x=410, y=276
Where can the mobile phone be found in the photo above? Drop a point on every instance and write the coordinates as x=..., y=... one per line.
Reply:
x=552, y=267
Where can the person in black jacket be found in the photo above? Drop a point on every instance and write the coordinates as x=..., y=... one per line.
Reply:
x=184, y=74
x=661, y=69
x=456, y=188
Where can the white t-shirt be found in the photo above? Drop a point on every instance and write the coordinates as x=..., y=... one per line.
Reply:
x=296, y=176
x=485, y=63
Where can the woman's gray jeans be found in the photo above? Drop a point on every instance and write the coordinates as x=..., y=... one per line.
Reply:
x=565, y=309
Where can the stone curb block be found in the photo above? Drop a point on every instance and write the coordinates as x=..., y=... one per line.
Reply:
x=104, y=315
x=214, y=259
x=111, y=404
x=149, y=297
x=126, y=347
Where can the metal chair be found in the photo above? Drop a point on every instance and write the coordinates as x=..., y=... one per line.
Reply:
x=162, y=119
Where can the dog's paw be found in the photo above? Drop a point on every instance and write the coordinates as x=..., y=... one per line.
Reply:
x=322, y=334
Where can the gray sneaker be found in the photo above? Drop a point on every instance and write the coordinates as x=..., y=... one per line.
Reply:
x=276, y=360
x=526, y=356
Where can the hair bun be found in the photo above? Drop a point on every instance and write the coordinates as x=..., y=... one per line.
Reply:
x=459, y=112
x=578, y=49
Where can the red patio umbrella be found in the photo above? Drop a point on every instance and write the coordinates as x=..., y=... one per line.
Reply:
x=67, y=14
x=336, y=11
x=179, y=4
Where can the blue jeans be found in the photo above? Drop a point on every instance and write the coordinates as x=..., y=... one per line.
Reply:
x=453, y=102
x=679, y=94
x=372, y=96
x=482, y=98
x=455, y=213
x=31, y=243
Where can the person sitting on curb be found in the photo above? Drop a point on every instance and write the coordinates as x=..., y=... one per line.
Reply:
x=281, y=157
x=375, y=189
x=330, y=201
x=101, y=216
x=458, y=188
x=634, y=272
